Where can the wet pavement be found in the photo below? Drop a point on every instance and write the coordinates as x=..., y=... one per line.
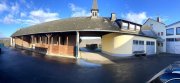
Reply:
x=20, y=66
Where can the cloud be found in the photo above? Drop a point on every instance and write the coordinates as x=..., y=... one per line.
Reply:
x=23, y=14
x=33, y=17
x=78, y=11
x=15, y=8
x=39, y=16
x=136, y=17
x=3, y=7
x=9, y=19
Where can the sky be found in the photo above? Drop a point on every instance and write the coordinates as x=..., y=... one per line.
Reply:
x=16, y=14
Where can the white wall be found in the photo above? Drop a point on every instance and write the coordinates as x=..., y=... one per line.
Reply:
x=158, y=27
x=173, y=26
x=173, y=47
x=122, y=45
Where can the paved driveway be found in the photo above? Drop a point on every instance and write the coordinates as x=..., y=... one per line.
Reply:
x=19, y=66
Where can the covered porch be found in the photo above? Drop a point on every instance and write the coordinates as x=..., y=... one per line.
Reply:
x=65, y=44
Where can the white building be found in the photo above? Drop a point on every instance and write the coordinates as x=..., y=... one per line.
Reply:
x=157, y=28
x=173, y=38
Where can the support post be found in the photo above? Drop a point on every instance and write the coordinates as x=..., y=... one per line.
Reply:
x=128, y=25
x=22, y=41
x=52, y=42
x=67, y=40
x=40, y=40
x=49, y=47
x=77, y=46
x=15, y=41
x=59, y=45
x=32, y=42
x=35, y=40
x=32, y=39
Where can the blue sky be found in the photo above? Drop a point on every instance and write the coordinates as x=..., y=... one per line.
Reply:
x=15, y=14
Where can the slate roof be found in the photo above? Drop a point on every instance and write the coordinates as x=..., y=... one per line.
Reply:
x=71, y=24
x=149, y=33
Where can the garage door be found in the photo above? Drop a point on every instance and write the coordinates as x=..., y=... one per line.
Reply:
x=150, y=47
x=170, y=47
x=177, y=49
x=138, y=45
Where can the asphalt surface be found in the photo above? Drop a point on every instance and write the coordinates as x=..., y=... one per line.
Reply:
x=20, y=66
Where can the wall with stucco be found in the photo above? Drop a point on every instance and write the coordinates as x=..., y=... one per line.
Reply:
x=119, y=44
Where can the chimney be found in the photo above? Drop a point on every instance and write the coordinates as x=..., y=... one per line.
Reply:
x=113, y=17
x=158, y=19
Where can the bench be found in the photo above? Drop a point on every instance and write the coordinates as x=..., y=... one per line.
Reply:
x=139, y=53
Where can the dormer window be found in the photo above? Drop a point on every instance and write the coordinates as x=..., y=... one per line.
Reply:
x=124, y=25
x=132, y=27
x=138, y=28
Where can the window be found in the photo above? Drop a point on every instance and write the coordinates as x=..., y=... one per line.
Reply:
x=124, y=25
x=135, y=42
x=150, y=43
x=162, y=33
x=132, y=27
x=162, y=45
x=151, y=25
x=141, y=42
x=138, y=42
x=138, y=28
x=170, y=39
x=158, y=34
x=177, y=39
x=159, y=44
x=170, y=31
x=178, y=31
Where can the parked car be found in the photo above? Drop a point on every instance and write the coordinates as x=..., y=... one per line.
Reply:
x=171, y=74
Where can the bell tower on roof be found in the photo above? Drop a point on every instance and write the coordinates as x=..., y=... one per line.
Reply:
x=94, y=10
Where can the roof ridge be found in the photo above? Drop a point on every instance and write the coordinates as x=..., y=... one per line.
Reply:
x=154, y=20
x=173, y=23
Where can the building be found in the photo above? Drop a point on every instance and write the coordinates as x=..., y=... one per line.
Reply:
x=5, y=41
x=62, y=37
x=173, y=38
x=156, y=28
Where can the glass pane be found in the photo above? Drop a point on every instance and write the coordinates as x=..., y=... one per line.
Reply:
x=132, y=27
x=138, y=28
x=124, y=25
x=178, y=30
x=170, y=31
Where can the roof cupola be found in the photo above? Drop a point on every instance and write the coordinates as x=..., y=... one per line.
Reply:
x=94, y=10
